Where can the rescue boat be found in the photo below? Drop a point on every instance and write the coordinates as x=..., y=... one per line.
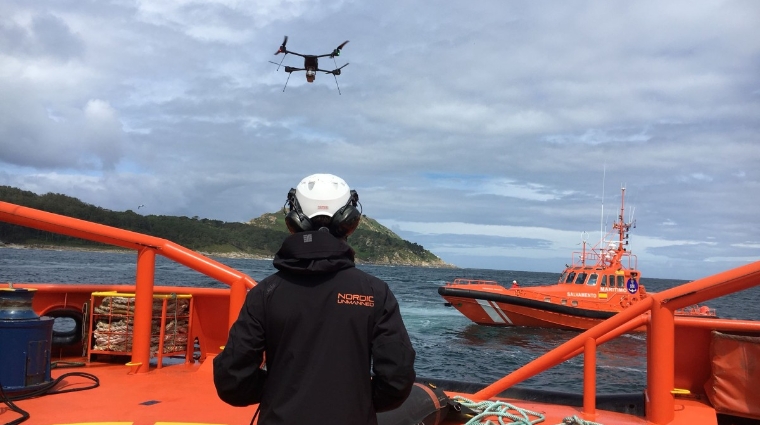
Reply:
x=114, y=367
x=598, y=283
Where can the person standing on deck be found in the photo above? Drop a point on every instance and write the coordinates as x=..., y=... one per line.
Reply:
x=323, y=324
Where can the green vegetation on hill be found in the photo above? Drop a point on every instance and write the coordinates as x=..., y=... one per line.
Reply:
x=261, y=237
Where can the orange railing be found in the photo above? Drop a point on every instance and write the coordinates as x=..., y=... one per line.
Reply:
x=147, y=247
x=591, y=258
x=657, y=311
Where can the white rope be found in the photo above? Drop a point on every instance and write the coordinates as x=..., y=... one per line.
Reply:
x=500, y=411
x=575, y=420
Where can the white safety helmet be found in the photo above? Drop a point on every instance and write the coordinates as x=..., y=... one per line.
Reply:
x=323, y=194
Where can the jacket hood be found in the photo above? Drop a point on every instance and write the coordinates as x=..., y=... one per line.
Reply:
x=313, y=252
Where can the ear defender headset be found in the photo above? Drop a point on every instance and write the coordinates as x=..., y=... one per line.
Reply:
x=295, y=219
x=342, y=223
x=346, y=219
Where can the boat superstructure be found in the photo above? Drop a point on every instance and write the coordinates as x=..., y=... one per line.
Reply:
x=708, y=384
x=599, y=282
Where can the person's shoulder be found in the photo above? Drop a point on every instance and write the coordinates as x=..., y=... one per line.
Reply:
x=267, y=284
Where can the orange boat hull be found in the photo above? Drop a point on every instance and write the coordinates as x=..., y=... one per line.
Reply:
x=493, y=313
x=553, y=306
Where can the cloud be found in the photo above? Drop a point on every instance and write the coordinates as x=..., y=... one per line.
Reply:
x=39, y=36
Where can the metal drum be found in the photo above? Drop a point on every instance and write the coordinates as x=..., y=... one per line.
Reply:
x=25, y=341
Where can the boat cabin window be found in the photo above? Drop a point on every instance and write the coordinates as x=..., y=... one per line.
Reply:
x=563, y=277
x=620, y=281
x=603, y=283
x=592, y=279
x=570, y=277
x=581, y=278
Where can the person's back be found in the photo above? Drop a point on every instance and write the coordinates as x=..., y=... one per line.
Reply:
x=323, y=324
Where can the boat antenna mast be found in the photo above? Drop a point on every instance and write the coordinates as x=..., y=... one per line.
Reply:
x=584, y=237
x=601, y=219
x=622, y=228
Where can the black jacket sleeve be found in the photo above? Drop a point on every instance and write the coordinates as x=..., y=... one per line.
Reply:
x=238, y=377
x=392, y=358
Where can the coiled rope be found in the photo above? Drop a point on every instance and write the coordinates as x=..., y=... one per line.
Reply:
x=575, y=420
x=499, y=411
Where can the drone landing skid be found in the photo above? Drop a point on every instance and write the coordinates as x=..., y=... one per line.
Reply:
x=335, y=72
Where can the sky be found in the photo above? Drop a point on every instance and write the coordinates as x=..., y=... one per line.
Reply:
x=496, y=134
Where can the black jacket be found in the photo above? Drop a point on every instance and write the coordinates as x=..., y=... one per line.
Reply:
x=324, y=324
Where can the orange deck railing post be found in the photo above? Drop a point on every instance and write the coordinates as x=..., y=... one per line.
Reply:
x=589, y=379
x=146, y=270
x=147, y=247
x=661, y=365
x=237, y=299
x=42, y=220
x=617, y=324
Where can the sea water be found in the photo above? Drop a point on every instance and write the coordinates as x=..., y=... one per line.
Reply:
x=448, y=345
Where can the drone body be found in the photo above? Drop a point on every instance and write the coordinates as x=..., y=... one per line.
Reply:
x=310, y=63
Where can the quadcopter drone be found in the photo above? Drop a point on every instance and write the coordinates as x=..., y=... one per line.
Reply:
x=310, y=63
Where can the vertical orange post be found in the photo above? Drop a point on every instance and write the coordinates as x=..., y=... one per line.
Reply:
x=146, y=271
x=237, y=299
x=661, y=366
x=589, y=379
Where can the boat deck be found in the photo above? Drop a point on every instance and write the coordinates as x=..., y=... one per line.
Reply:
x=184, y=394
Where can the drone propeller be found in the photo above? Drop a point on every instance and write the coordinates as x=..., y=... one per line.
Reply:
x=278, y=64
x=288, y=69
x=336, y=52
x=282, y=48
x=335, y=72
